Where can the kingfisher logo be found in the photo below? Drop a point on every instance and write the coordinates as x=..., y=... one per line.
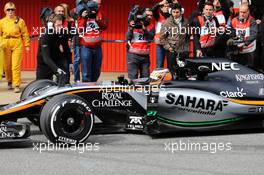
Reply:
x=250, y=77
x=237, y=94
x=195, y=105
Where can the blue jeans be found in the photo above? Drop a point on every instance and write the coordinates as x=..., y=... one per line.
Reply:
x=160, y=56
x=91, y=59
x=76, y=63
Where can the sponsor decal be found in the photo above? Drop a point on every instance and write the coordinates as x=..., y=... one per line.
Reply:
x=81, y=103
x=256, y=109
x=252, y=110
x=261, y=92
x=250, y=78
x=238, y=93
x=4, y=133
x=67, y=140
x=152, y=113
x=112, y=100
x=195, y=105
x=135, y=122
x=153, y=99
x=224, y=66
x=260, y=109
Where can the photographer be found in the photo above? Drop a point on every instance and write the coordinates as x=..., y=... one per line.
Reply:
x=54, y=54
x=140, y=34
x=160, y=13
x=90, y=27
x=76, y=48
x=174, y=36
x=243, y=37
x=205, y=38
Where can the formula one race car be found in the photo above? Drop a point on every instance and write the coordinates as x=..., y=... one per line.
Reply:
x=205, y=94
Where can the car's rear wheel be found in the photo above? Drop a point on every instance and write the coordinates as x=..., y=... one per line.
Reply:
x=66, y=118
x=30, y=89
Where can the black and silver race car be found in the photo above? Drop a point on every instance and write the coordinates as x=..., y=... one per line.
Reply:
x=206, y=94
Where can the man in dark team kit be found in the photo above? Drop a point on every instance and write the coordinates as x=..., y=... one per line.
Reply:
x=54, y=56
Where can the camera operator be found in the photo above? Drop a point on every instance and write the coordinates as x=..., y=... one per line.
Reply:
x=160, y=13
x=174, y=36
x=90, y=27
x=140, y=33
x=205, y=38
x=243, y=37
x=54, y=54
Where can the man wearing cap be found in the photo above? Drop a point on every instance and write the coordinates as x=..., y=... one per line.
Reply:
x=13, y=31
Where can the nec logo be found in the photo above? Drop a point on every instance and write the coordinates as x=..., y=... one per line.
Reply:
x=225, y=66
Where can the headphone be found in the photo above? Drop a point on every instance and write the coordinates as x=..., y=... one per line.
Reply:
x=249, y=2
x=181, y=10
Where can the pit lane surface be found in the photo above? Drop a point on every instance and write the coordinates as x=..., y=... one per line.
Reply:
x=136, y=154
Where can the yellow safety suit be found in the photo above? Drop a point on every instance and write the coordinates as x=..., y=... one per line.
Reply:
x=1, y=63
x=13, y=31
x=1, y=58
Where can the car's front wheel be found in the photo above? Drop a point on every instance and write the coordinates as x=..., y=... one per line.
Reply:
x=67, y=118
x=30, y=90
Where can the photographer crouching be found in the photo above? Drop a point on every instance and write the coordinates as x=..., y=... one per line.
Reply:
x=140, y=33
x=90, y=28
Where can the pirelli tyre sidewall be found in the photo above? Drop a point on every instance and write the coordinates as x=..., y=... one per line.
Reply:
x=67, y=119
x=34, y=86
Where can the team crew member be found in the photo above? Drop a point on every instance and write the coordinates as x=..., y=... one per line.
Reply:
x=160, y=13
x=175, y=43
x=13, y=31
x=91, y=41
x=244, y=31
x=139, y=35
x=205, y=38
x=54, y=54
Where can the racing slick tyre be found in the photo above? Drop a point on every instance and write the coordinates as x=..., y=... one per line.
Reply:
x=30, y=89
x=66, y=119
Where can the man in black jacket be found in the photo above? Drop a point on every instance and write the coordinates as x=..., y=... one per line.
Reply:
x=54, y=56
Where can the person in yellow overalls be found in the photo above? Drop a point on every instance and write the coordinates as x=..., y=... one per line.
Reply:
x=13, y=31
x=1, y=62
